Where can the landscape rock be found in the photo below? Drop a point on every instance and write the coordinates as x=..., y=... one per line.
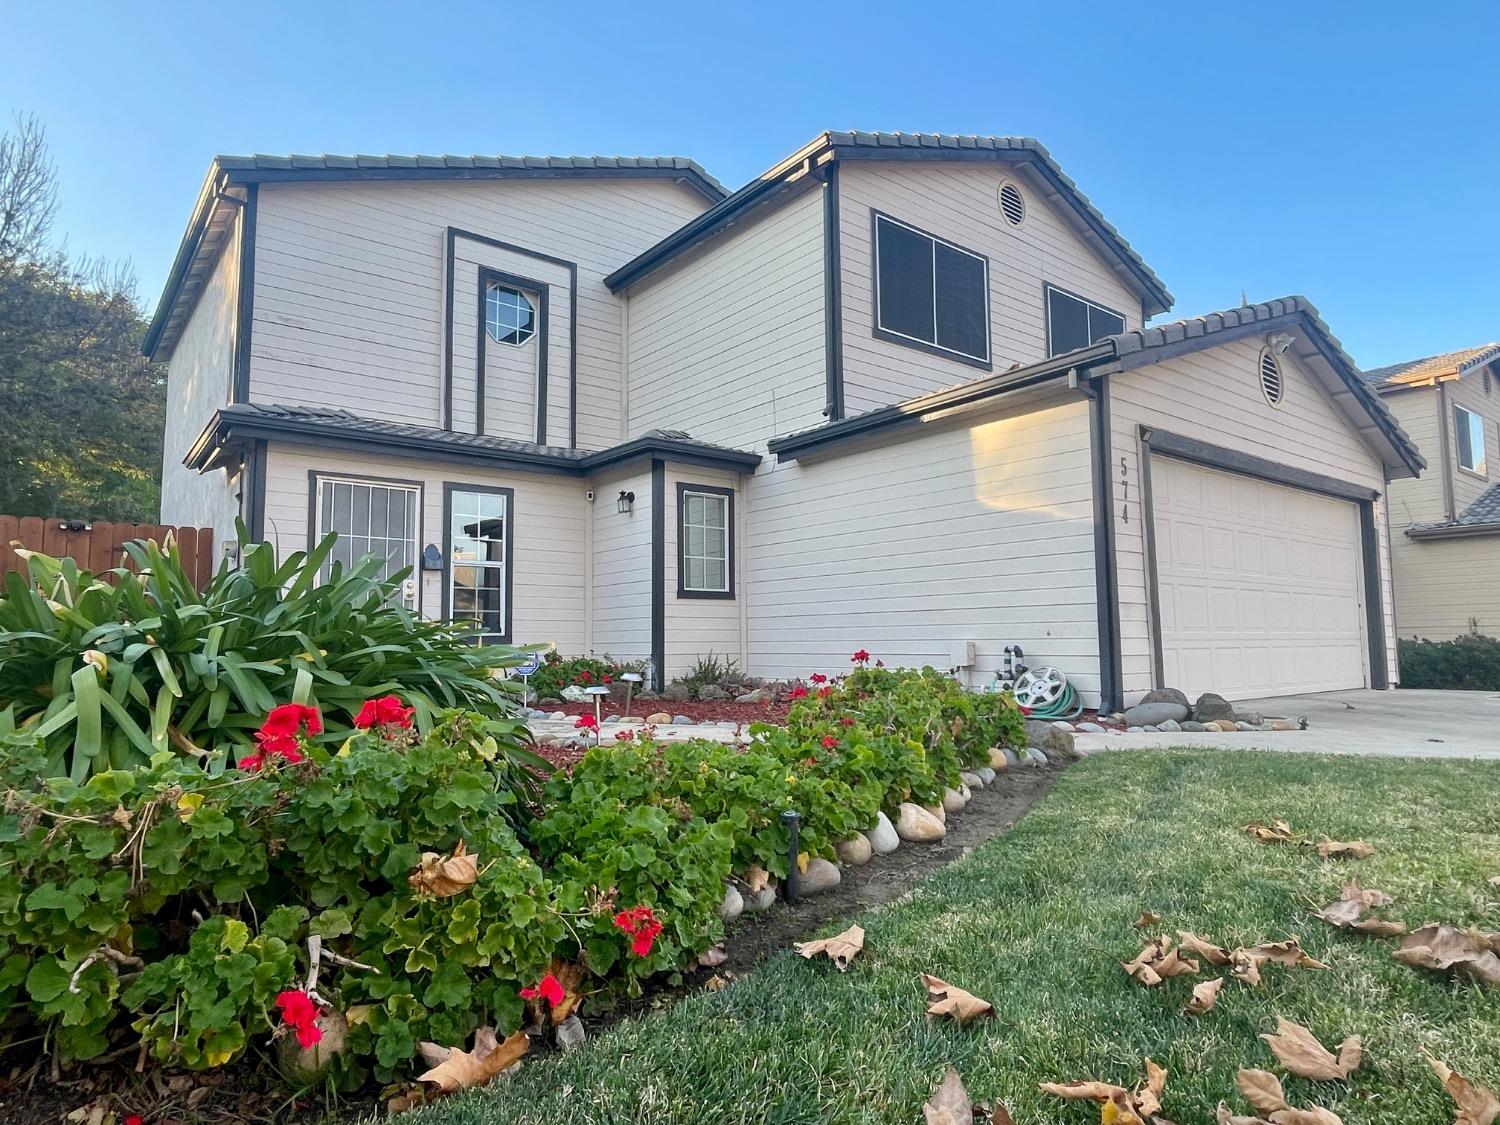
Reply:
x=1036, y=757
x=1149, y=714
x=757, y=901
x=681, y=721
x=1249, y=717
x=611, y=718
x=1283, y=724
x=1090, y=728
x=820, y=876
x=759, y=695
x=1166, y=695
x=558, y=715
x=678, y=691
x=1192, y=727
x=1243, y=725
x=1172, y=726
x=998, y=761
x=916, y=824
x=727, y=724
x=986, y=775
x=1063, y=725
x=882, y=837
x=1135, y=730
x=712, y=693
x=937, y=811
x=658, y=718
x=972, y=779
x=733, y=905
x=569, y=1033
x=855, y=851
x=955, y=799
x=1048, y=737
x=1211, y=708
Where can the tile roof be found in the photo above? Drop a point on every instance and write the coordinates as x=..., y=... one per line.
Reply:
x=1433, y=367
x=1483, y=512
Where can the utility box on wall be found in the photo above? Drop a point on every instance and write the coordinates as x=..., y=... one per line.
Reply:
x=961, y=655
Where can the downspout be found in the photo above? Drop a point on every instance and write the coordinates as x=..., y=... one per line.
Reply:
x=658, y=575
x=1095, y=388
x=1446, y=445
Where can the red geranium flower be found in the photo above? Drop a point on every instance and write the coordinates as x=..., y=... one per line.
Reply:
x=549, y=989
x=861, y=657
x=798, y=692
x=298, y=1011
x=607, y=679
x=277, y=736
x=586, y=722
x=291, y=718
x=585, y=677
x=641, y=924
x=384, y=712
x=134, y=1119
x=625, y=735
x=829, y=742
x=818, y=678
x=824, y=692
x=846, y=721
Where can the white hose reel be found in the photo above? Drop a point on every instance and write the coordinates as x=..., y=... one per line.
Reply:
x=1040, y=687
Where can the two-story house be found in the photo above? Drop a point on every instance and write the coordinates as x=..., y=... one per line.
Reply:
x=1445, y=527
x=894, y=394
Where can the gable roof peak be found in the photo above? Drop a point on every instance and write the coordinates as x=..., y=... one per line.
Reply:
x=1431, y=369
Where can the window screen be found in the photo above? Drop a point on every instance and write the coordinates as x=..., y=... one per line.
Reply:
x=1470, y=432
x=1074, y=323
x=931, y=291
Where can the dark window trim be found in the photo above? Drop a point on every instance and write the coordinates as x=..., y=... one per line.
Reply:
x=451, y=237
x=880, y=333
x=449, y=488
x=1047, y=288
x=1483, y=441
x=728, y=594
x=253, y=488
x=833, y=297
x=1231, y=461
x=1106, y=555
x=314, y=475
x=244, y=315
x=487, y=276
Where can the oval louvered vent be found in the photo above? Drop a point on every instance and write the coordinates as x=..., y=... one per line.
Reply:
x=1012, y=204
x=1270, y=377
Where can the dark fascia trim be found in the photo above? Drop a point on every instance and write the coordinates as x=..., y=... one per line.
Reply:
x=910, y=414
x=1453, y=531
x=187, y=251
x=760, y=192
x=1234, y=461
x=880, y=332
x=255, y=489
x=683, y=488
x=514, y=281
x=1048, y=288
x=833, y=297
x=451, y=237
x=313, y=476
x=686, y=453
x=685, y=176
x=1445, y=445
x=244, y=316
x=1106, y=562
x=1369, y=539
x=658, y=575
x=449, y=488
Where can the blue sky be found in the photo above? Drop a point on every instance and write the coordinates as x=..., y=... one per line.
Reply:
x=1344, y=151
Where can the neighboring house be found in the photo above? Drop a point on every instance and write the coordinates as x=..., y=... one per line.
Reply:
x=1445, y=527
x=925, y=416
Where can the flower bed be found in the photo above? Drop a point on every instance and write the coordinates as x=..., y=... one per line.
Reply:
x=349, y=899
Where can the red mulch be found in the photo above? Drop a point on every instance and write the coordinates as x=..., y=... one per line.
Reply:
x=746, y=713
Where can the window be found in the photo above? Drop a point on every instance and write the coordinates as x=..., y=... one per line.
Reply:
x=479, y=539
x=930, y=293
x=371, y=518
x=1074, y=323
x=1470, y=430
x=705, y=559
x=508, y=314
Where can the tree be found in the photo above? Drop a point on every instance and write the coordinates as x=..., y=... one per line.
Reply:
x=81, y=411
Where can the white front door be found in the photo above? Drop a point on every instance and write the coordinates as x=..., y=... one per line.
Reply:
x=1259, y=585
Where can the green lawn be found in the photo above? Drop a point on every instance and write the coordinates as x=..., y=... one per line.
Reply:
x=1037, y=921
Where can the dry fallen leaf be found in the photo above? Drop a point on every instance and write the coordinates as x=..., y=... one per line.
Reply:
x=1157, y=962
x=1442, y=948
x=1349, y=913
x=1245, y=968
x=1118, y=1106
x=840, y=948
x=1288, y=952
x=462, y=1070
x=1146, y=919
x=1262, y=1090
x=1278, y=833
x=1341, y=849
x=949, y=1104
x=1213, y=954
x=757, y=879
x=943, y=999
x=1371, y=898
x=1477, y=1105
x=446, y=875
x=570, y=976
x=1205, y=995
x=714, y=983
x=1297, y=1049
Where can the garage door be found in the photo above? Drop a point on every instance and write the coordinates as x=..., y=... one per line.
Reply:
x=1258, y=585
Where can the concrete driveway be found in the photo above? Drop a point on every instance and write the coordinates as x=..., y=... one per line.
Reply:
x=1413, y=724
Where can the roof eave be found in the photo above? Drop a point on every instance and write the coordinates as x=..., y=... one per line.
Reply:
x=1453, y=531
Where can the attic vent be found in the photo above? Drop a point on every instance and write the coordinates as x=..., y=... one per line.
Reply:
x=1012, y=204
x=1270, y=377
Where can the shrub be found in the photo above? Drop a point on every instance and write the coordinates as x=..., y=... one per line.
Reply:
x=707, y=671
x=108, y=675
x=1470, y=662
x=558, y=672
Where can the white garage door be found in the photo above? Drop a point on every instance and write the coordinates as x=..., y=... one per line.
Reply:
x=1258, y=585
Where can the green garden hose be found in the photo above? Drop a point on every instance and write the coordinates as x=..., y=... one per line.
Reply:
x=1065, y=706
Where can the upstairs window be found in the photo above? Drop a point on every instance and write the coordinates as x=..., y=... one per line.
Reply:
x=1470, y=431
x=509, y=316
x=930, y=293
x=1074, y=323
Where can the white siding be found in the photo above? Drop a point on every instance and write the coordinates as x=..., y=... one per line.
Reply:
x=958, y=202
x=980, y=531
x=1443, y=584
x=730, y=346
x=698, y=626
x=1468, y=392
x=551, y=526
x=1419, y=499
x=621, y=616
x=199, y=377
x=1214, y=395
x=349, y=285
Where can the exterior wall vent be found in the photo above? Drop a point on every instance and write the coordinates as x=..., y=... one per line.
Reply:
x=1012, y=204
x=1270, y=377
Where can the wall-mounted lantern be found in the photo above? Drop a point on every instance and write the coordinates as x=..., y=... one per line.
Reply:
x=625, y=503
x=432, y=558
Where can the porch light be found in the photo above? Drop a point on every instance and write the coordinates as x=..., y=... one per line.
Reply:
x=625, y=503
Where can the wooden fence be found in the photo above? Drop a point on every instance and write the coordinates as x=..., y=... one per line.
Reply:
x=99, y=546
